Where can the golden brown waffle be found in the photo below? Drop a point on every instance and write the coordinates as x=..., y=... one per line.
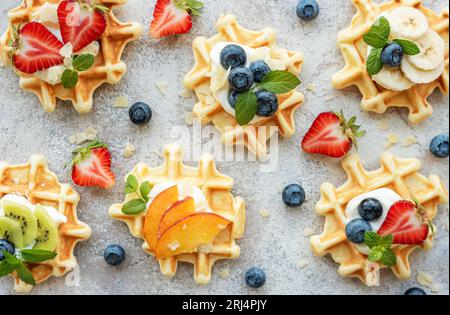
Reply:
x=37, y=183
x=108, y=67
x=354, y=50
x=400, y=175
x=216, y=188
x=208, y=109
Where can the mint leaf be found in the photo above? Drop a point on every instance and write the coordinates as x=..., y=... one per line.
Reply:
x=11, y=259
x=134, y=206
x=372, y=239
x=409, y=48
x=246, y=107
x=279, y=82
x=388, y=258
x=386, y=241
x=145, y=190
x=25, y=275
x=82, y=62
x=374, y=64
x=37, y=255
x=69, y=79
x=6, y=269
x=131, y=185
x=378, y=34
x=375, y=254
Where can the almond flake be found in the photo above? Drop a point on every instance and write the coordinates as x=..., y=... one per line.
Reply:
x=392, y=139
x=162, y=87
x=302, y=264
x=129, y=150
x=426, y=280
x=384, y=124
x=185, y=93
x=121, y=102
x=89, y=134
x=409, y=141
x=224, y=273
x=311, y=87
x=329, y=97
x=308, y=232
x=189, y=118
x=264, y=213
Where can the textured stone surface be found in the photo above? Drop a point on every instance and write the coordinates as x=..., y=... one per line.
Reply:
x=276, y=243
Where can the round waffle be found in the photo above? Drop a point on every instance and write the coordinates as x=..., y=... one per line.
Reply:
x=208, y=109
x=216, y=188
x=37, y=183
x=108, y=66
x=354, y=50
x=400, y=175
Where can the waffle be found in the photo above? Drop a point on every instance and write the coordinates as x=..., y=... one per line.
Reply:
x=374, y=97
x=216, y=188
x=108, y=67
x=400, y=175
x=35, y=181
x=210, y=110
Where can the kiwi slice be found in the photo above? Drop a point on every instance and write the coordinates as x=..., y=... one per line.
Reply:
x=10, y=230
x=47, y=234
x=25, y=217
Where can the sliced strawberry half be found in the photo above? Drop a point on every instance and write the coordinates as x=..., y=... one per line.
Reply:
x=81, y=22
x=407, y=222
x=36, y=49
x=331, y=135
x=172, y=17
x=91, y=166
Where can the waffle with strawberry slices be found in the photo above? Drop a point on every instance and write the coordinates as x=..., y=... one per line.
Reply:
x=29, y=46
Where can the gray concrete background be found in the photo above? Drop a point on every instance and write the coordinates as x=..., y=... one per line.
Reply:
x=275, y=243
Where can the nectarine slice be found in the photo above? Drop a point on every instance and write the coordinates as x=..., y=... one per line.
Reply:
x=190, y=232
x=175, y=213
x=154, y=213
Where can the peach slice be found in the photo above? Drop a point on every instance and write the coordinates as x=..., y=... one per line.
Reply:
x=154, y=213
x=178, y=211
x=190, y=232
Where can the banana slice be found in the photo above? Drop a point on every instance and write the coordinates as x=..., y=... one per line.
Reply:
x=421, y=76
x=407, y=22
x=392, y=79
x=432, y=52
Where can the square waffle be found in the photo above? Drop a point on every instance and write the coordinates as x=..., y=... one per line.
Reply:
x=400, y=175
x=39, y=185
x=216, y=188
x=354, y=50
x=108, y=66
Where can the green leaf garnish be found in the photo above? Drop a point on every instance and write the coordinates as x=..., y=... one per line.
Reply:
x=12, y=263
x=374, y=63
x=82, y=62
x=378, y=35
x=11, y=259
x=37, y=255
x=6, y=269
x=246, y=107
x=380, y=248
x=145, y=190
x=279, y=82
x=134, y=207
x=25, y=275
x=131, y=184
x=409, y=48
x=69, y=79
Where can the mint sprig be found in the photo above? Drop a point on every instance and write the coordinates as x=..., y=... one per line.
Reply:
x=380, y=248
x=80, y=63
x=138, y=205
x=277, y=82
x=378, y=38
x=18, y=263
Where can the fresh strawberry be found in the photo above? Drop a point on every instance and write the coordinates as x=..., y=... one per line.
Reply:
x=407, y=222
x=81, y=22
x=91, y=166
x=331, y=135
x=173, y=17
x=36, y=48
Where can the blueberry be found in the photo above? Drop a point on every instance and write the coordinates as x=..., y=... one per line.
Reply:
x=307, y=9
x=114, y=255
x=233, y=56
x=293, y=195
x=140, y=113
x=255, y=277
x=370, y=209
x=439, y=146
x=392, y=55
x=259, y=69
x=415, y=291
x=233, y=98
x=7, y=246
x=241, y=79
x=355, y=230
x=267, y=103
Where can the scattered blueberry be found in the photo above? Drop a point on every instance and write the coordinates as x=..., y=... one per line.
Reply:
x=140, y=113
x=415, y=291
x=255, y=277
x=307, y=9
x=233, y=56
x=392, y=55
x=355, y=230
x=241, y=79
x=439, y=146
x=370, y=209
x=114, y=255
x=259, y=69
x=233, y=98
x=7, y=246
x=267, y=103
x=293, y=195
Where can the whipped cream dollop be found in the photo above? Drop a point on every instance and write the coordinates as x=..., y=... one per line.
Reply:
x=387, y=197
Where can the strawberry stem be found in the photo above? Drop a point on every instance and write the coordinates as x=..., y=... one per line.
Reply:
x=350, y=128
x=82, y=153
x=192, y=6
